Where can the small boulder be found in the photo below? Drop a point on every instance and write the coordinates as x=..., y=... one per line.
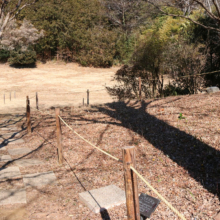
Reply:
x=212, y=89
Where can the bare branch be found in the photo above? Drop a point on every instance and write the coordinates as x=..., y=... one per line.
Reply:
x=211, y=15
x=11, y=14
x=207, y=10
x=217, y=7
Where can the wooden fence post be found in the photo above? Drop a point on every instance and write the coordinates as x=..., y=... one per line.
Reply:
x=59, y=137
x=131, y=188
x=37, y=101
x=87, y=97
x=28, y=115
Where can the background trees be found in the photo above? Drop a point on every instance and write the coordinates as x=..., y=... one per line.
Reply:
x=153, y=38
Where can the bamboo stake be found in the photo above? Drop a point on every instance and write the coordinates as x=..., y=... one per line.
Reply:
x=59, y=137
x=28, y=115
x=87, y=97
x=37, y=101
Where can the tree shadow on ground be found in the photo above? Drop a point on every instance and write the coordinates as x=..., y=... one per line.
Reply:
x=199, y=159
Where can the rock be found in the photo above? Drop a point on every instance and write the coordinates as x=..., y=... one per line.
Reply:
x=212, y=89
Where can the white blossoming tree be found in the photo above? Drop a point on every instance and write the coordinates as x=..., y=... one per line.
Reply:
x=19, y=41
x=20, y=38
x=9, y=9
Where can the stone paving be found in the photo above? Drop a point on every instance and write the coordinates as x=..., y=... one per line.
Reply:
x=28, y=162
x=103, y=198
x=5, y=158
x=9, y=138
x=19, y=151
x=39, y=179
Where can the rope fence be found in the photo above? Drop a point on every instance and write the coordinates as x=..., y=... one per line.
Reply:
x=128, y=161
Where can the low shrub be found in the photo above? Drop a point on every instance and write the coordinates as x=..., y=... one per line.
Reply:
x=22, y=57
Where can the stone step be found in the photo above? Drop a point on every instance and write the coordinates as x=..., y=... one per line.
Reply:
x=10, y=173
x=19, y=151
x=28, y=162
x=103, y=198
x=5, y=158
x=39, y=179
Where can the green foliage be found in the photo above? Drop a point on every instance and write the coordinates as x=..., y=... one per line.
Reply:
x=99, y=50
x=18, y=57
x=4, y=55
x=82, y=28
x=181, y=116
x=128, y=83
x=172, y=90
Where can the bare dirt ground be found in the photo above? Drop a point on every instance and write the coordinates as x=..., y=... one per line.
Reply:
x=57, y=84
x=179, y=156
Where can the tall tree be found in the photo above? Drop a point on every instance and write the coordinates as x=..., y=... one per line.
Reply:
x=9, y=9
x=126, y=14
x=210, y=8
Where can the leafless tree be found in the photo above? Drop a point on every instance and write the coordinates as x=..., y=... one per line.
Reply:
x=126, y=14
x=9, y=9
x=210, y=7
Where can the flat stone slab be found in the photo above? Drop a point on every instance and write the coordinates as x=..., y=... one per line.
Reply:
x=19, y=151
x=9, y=129
x=8, y=135
x=6, y=141
x=103, y=198
x=12, y=196
x=28, y=162
x=39, y=179
x=2, y=148
x=15, y=141
x=9, y=173
x=5, y=158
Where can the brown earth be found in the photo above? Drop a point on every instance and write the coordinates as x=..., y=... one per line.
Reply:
x=178, y=156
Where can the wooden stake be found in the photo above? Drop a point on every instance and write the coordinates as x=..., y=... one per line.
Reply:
x=59, y=137
x=87, y=97
x=37, y=101
x=28, y=115
x=139, y=87
x=10, y=96
x=4, y=98
x=72, y=110
x=83, y=101
x=131, y=188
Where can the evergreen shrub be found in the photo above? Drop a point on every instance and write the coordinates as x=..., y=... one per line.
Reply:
x=22, y=57
x=4, y=55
